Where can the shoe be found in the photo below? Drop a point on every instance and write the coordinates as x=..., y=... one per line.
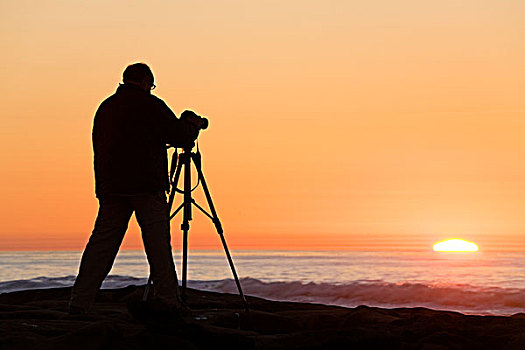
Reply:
x=182, y=309
x=159, y=307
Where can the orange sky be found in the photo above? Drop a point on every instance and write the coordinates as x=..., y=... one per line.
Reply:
x=333, y=124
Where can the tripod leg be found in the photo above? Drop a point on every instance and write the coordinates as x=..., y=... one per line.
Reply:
x=174, y=183
x=218, y=226
x=147, y=290
x=184, y=258
x=185, y=226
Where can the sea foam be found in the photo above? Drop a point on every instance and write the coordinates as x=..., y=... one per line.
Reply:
x=459, y=297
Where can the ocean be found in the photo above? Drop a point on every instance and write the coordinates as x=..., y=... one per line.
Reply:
x=482, y=283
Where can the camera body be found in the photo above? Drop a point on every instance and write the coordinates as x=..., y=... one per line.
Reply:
x=189, y=116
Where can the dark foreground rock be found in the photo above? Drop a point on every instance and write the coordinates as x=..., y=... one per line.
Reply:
x=38, y=319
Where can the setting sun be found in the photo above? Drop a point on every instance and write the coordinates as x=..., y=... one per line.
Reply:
x=455, y=245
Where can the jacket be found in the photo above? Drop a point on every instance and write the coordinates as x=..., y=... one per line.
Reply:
x=130, y=132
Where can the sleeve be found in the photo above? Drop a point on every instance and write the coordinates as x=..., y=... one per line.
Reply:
x=177, y=133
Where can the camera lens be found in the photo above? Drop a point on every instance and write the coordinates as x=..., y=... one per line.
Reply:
x=204, y=124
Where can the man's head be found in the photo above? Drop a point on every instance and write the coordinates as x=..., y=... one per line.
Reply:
x=139, y=74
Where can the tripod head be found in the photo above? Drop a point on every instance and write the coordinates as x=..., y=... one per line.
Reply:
x=186, y=148
x=177, y=161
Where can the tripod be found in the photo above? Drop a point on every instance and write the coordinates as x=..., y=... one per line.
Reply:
x=184, y=160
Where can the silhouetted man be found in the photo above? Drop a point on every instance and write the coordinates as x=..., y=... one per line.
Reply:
x=130, y=133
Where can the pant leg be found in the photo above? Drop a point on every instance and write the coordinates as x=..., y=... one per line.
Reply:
x=98, y=257
x=153, y=218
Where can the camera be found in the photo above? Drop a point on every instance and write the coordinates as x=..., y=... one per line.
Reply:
x=189, y=116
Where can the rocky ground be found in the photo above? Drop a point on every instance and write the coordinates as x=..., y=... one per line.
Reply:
x=38, y=319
